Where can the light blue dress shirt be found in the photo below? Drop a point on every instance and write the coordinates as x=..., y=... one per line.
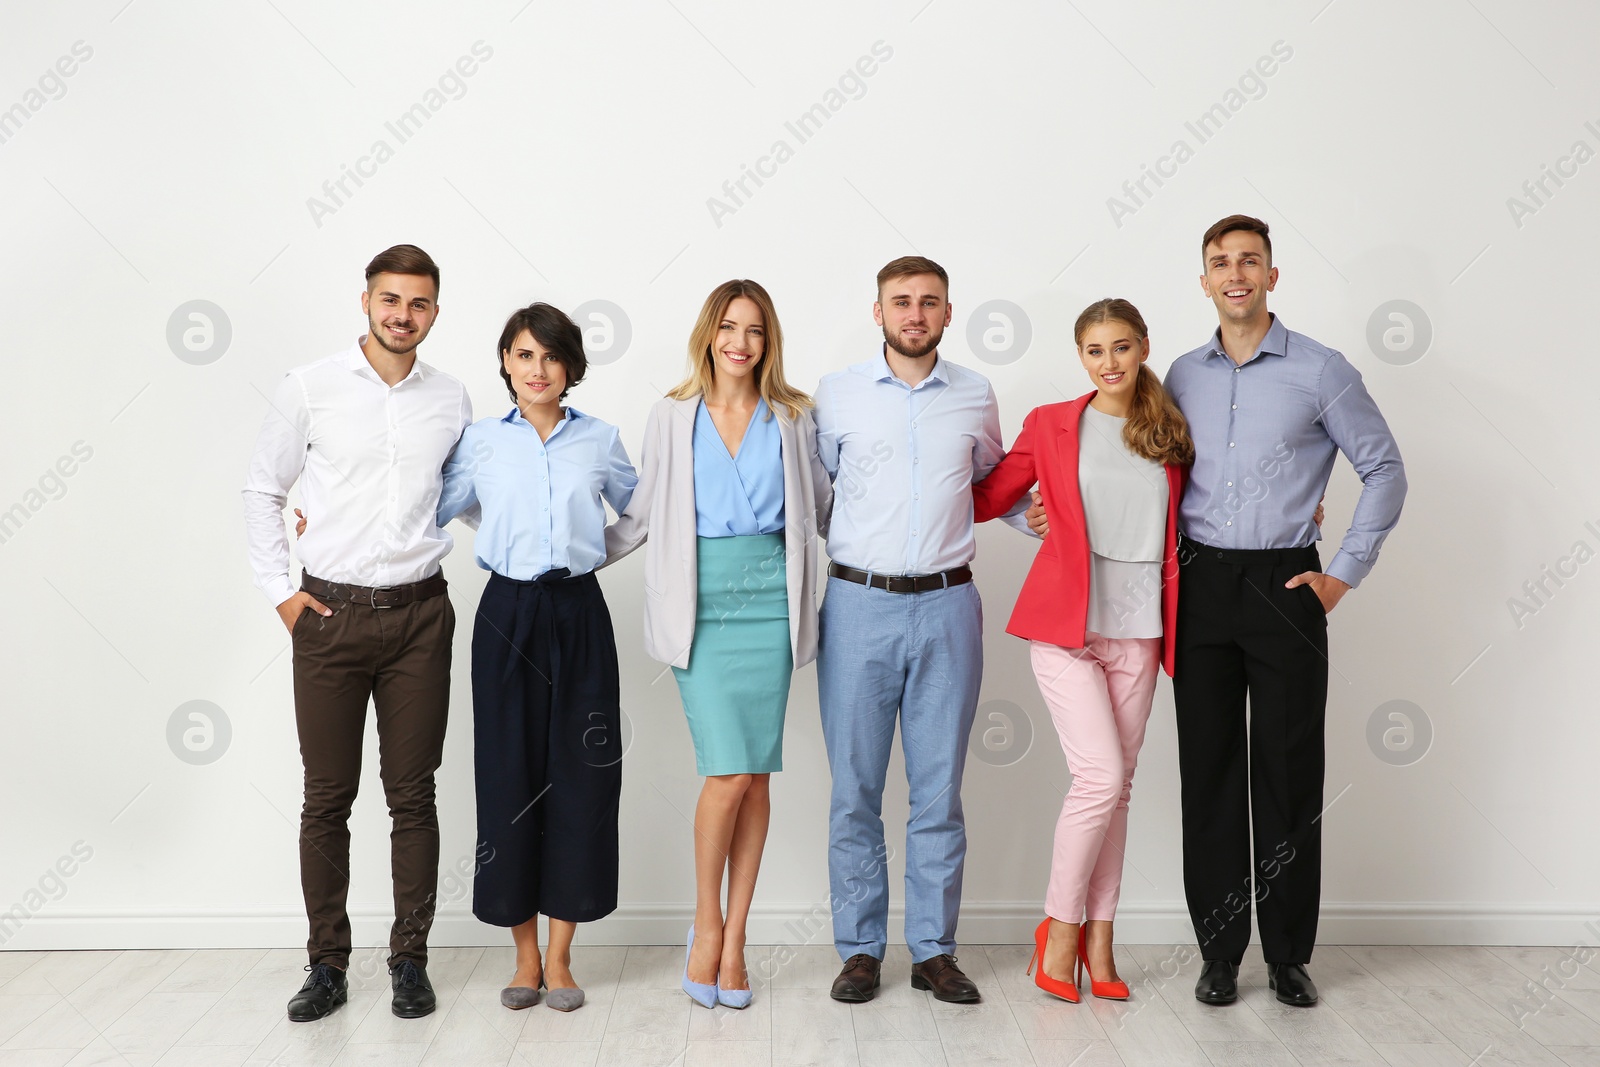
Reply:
x=541, y=500
x=1265, y=436
x=739, y=495
x=903, y=459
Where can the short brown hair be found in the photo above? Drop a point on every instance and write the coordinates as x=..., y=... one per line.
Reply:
x=404, y=259
x=555, y=332
x=906, y=266
x=1232, y=223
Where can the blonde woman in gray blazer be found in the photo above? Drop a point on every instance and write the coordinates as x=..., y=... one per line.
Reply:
x=732, y=498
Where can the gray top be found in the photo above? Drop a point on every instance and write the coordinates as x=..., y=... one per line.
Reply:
x=1124, y=494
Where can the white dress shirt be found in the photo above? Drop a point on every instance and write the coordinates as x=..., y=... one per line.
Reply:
x=903, y=459
x=369, y=458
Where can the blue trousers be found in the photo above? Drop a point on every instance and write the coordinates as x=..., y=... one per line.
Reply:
x=917, y=657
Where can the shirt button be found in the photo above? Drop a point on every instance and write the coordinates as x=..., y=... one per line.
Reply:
x=1236, y=370
x=1228, y=523
x=1236, y=407
x=1230, y=444
x=1230, y=485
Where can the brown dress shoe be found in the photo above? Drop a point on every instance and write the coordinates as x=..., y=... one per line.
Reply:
x=858, y=981
x=941, y=975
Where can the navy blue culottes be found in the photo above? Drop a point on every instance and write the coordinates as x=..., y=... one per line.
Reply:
x=547, y=750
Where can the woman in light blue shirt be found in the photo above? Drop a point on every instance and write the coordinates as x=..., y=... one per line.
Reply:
x=545, y=691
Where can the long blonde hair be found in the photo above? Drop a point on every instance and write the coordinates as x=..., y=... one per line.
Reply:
x=1155, y=428
x=770, y=382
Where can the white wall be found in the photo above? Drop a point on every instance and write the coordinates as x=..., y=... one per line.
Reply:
x=576, y=166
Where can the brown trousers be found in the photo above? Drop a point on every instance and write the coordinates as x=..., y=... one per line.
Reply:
x=399, y=658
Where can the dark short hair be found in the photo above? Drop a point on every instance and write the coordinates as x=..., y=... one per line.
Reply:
x=1232, y=223
x=559, y=335
x=907, y=266
x=404, y=259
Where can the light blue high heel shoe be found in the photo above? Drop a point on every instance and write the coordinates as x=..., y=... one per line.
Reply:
x=702, y=993
x=733, y=998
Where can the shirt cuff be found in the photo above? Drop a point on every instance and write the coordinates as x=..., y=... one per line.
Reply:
x=279, y=588
x=1348, y=569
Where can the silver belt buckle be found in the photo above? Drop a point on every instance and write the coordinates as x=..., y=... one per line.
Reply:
x=373, y=597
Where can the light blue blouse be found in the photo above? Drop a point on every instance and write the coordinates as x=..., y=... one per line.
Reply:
x=542, y=500
x=742, y=495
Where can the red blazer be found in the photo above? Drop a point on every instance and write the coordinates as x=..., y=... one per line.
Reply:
x=1053, y=605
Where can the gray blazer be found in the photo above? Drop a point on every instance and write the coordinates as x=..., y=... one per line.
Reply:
x=664, y=498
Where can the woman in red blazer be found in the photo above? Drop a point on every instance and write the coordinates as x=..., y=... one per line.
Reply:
x=1099, y=608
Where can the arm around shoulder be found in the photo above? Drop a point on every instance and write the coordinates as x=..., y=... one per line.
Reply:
x=633, y=525
x=999, y=492
x=821, y=480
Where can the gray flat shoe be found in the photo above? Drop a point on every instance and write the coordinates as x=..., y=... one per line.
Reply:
x=519, y=996
x=565, y=999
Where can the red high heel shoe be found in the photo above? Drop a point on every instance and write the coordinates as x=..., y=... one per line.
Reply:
x=1103, y=990
x=1067, y=991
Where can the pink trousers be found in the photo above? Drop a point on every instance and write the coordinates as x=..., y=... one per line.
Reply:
x=1099, y=697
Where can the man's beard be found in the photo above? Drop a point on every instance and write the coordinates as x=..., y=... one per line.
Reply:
x=377, y=334
x=929, y=343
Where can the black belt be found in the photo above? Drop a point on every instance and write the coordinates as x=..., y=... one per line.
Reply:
x=1189, y=548
x=903, y=583
x=393, y=596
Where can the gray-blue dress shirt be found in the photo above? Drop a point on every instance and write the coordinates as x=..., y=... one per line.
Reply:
x=1265, y=434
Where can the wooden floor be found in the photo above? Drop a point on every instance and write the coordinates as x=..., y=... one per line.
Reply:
x=1409, y=1007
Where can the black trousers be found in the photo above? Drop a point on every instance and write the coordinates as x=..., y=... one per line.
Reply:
x=1257, y=781
x=547, y=750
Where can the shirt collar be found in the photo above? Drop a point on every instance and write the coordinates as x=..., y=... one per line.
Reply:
x=355, y=359
x=882, y=373
x=515, y=417
x=1275, y=343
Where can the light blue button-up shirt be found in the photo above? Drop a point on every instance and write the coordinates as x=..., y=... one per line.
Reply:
x=1265, y=436
x=903, y=459
x=738, y=495
x=541, y=500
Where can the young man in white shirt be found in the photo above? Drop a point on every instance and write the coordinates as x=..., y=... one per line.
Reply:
x=366, y=433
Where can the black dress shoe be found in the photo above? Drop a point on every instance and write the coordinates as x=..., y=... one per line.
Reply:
x=1293, y=985
x=413, y=993
x=324, y=991
x=947, y=982
x=858, y=981
x=1218, y=983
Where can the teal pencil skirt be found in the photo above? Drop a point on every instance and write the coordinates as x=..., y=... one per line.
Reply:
x=736, y=687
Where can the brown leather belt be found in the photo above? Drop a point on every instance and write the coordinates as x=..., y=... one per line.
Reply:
x=393, y=596
x=902, y=583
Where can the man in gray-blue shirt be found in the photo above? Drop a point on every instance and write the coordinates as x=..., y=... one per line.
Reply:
x=1268, y=409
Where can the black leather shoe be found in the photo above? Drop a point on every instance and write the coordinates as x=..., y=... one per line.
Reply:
x=941, y=975
x=324, y=991
x=1292, y=984
x=413, y=993
x=858, y=981
x=1218, y=983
